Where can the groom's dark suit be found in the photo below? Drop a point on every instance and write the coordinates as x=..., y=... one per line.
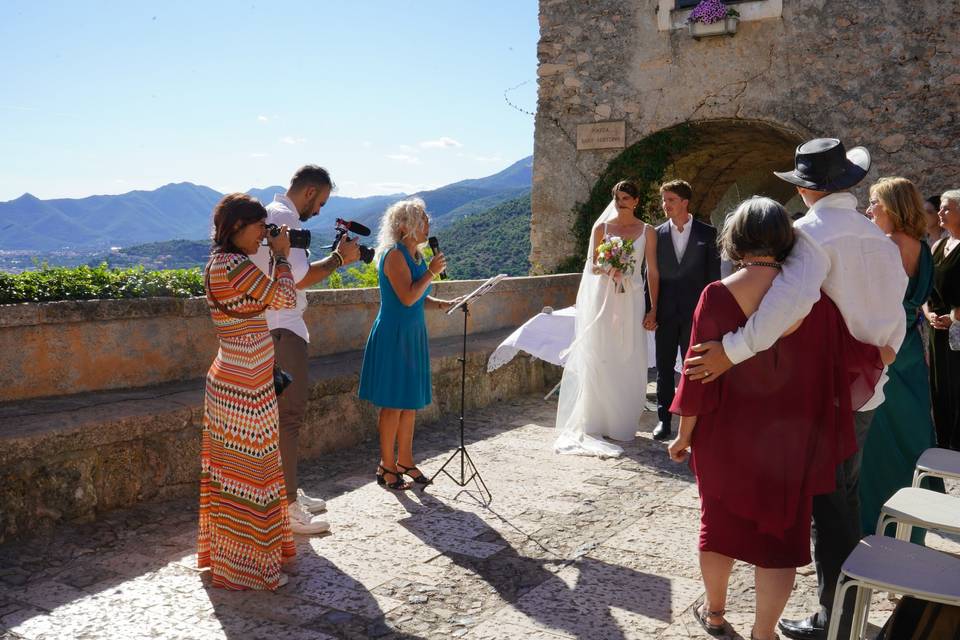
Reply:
x=681, y=282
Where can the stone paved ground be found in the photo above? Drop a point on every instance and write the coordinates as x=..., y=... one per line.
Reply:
x=568, y=548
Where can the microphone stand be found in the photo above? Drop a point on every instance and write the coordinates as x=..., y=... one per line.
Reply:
x=468, y=470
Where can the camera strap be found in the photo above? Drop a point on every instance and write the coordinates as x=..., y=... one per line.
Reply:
x=222, y=309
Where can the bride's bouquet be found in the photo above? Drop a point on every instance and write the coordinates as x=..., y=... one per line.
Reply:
x=615, y=253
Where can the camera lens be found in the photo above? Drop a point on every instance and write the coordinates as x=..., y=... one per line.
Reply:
x=299, y=238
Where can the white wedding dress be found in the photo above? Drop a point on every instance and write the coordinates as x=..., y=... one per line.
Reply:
x=604, y=386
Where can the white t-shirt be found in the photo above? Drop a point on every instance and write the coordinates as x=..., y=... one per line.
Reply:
x=279, y=212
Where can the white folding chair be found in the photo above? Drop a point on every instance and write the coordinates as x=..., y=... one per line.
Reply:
x=912, y=507
x=939, y=463
x=888, y=564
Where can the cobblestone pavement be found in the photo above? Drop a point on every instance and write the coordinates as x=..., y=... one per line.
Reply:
x=568, y=548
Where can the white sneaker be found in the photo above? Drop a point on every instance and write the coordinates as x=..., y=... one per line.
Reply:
x=283, y=580
x=303, y=523
x=313, y=505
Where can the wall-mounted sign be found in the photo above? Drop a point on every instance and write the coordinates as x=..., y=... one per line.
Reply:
x=601, y=135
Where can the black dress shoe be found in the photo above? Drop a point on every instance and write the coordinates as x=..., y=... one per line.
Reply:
x=806, y=629
x=662, y=431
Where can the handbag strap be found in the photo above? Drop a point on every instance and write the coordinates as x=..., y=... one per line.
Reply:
x=222, y=309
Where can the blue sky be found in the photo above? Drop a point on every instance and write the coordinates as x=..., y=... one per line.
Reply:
x=107, y=97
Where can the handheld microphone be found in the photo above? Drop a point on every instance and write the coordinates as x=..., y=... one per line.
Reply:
x=353, y=227
x=435, y=247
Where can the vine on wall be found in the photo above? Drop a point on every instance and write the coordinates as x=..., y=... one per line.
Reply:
x=644, y=163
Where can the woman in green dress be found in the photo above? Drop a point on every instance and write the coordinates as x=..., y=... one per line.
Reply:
x=902, y=426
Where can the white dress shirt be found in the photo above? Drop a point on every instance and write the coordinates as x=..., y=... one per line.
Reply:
x=279, y=212
x=840, y=251
x=680, y=238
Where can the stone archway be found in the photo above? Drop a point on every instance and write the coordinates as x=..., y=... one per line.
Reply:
x=725, y=161
x=729, y=160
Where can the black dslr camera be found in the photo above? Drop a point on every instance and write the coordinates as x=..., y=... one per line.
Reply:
x=344, y=227
x=299, y=238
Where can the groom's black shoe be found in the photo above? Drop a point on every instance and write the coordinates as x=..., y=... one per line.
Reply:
x=806, y=629
x=662, y=431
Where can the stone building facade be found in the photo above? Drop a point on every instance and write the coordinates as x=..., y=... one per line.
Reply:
x=880, y=73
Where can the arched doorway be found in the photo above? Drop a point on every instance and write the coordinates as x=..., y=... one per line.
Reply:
x=724, y=161
x=729, y=160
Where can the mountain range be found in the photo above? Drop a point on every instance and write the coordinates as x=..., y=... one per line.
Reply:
x=183, y=210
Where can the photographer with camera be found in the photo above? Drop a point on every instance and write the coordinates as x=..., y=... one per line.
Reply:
x=309, y=190
x=243, y=532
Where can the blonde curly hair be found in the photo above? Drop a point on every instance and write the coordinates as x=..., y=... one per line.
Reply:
x=397, y=222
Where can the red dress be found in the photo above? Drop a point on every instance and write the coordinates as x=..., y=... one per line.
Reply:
x=772, y=430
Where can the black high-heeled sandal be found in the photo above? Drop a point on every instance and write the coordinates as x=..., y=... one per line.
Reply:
x=396, y=485
x=420, y=479
x=703, y=616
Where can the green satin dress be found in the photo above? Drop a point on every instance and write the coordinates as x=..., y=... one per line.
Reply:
x=902, y=426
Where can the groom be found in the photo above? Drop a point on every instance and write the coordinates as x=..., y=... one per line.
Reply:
x=688, y=261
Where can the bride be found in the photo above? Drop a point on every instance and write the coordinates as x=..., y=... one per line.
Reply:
x=604, y=384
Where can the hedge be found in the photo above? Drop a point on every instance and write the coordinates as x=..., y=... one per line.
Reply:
x=89, y=283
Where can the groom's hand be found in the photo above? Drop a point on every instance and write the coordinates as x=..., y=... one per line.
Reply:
x=710, y=365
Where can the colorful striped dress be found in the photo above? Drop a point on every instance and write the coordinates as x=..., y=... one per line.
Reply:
x=244, y=526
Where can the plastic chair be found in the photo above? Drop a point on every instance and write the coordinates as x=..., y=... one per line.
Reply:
x=887, y=564
x=912, y=507
x=941, y=463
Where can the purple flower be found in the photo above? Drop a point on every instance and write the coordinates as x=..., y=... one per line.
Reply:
x=708, y=12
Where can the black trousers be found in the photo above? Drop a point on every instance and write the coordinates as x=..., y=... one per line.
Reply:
x=671, y=338
x=836, y=524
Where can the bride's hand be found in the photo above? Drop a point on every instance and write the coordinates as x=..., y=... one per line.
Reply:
x=650, y=320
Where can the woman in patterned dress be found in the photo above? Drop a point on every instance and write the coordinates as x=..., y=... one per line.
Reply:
x=244, y=528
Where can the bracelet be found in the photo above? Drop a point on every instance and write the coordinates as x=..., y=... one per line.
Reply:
x=336, y=254
x=280, y=260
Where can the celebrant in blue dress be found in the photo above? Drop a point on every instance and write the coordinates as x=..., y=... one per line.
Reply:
x=396, y=362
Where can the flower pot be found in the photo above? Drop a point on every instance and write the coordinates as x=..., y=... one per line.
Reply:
x=727, y=26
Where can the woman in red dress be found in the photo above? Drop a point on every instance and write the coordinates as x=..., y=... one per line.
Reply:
x=767, y=436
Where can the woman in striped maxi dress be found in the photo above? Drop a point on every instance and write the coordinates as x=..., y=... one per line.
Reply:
x=244, y=528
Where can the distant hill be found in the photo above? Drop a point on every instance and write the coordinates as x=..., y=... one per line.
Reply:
x=479, y=245
x=175, y=210
x=183, y=210
x=494, y=241
x=447, y=203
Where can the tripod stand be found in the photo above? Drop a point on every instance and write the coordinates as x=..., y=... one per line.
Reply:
x=466, y=463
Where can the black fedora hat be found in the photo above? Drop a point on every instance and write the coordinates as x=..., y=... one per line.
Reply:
x=823, y=165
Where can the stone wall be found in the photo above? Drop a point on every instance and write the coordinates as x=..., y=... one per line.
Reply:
x=73, y=347
x=881, y=73
x=129, y=428
x=76, y=457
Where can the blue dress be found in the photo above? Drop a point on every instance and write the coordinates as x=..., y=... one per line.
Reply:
x=396, y=361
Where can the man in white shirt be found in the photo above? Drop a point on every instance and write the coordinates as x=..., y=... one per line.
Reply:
x=309, y=190
x=688, y=261
x=840, y=252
